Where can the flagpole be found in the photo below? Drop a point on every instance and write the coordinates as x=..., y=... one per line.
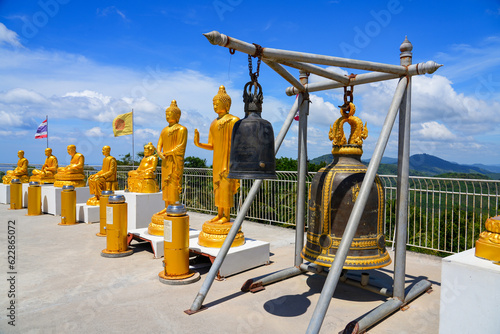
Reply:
x=47, y=131
x=133, y=152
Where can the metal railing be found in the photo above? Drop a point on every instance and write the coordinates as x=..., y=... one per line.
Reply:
x=444, y=214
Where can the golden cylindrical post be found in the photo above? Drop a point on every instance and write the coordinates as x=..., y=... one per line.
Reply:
x=34, y=199
x=68, y=205
x=103, y=202
x=116, y=228
x=16, y=194
x=176, y=247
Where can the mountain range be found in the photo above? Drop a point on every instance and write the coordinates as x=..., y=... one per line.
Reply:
x=428, y=165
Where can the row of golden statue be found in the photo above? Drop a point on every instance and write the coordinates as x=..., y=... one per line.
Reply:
x=171, y=148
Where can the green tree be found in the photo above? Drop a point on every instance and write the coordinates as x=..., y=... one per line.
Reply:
x=286, y=164
x=195, y=162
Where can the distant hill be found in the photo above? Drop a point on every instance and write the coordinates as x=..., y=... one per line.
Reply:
x=428, y=165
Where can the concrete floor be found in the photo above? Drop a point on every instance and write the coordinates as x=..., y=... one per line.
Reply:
x=64, y=285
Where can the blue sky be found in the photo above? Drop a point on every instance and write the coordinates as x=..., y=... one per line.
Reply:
x=84, y=62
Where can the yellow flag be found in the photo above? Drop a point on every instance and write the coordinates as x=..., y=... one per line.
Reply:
x=123, y=125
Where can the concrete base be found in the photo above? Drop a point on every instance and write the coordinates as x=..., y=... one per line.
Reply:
x=87, y=213
x=252, y=254
x=141, y=208
x=4, y=193
x=183, y=281
x=469, y=294
x=155, y=241
x=51, y=198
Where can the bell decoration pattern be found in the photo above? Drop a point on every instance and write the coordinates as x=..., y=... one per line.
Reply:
x=334, y=190
x=252, y=143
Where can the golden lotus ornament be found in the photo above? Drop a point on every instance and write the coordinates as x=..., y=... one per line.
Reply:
x=334, y=190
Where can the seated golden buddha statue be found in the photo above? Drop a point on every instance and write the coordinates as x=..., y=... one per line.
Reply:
x=72, y=174
x=20, y=172
x=48, y=170
x=105, y=179
x=143, y=179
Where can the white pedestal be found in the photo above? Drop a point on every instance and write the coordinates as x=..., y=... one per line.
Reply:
x=87, y=213
x=4, y=193
x=155, y=241
x=25, y=187
x=141, y=207
x=51, y=198
x=470, y=291
x=252, y=254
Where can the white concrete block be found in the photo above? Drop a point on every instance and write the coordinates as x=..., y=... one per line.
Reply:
x=470, y=291
x=252, y=254
x=141, y=207
x=4, y=193
x=157, y=241
x=25, y=187
x=51, y=198
x=87, y=213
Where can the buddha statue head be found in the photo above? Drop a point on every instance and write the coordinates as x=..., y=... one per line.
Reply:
x=71, y=149
x=48, y=152
x=20, y=154
x=173, y=113
x=149, y=149
x=222, y=101
x=106, y=150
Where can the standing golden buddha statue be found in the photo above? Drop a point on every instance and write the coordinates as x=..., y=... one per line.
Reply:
x=143, y=179
x=105, y=179
x=171, y=148
x=20, y=172
x=48, y=171
x=215, y=230
x=72, y=174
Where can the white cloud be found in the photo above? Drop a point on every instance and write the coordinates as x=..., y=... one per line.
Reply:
x=149, y=134
x=95, y=132
x=9, y=37
x=112, y=10
x=435, y=131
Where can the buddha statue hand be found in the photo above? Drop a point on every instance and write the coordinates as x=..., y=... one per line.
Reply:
x=196, y=136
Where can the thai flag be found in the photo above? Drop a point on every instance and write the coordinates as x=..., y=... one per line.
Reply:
x=41, y=132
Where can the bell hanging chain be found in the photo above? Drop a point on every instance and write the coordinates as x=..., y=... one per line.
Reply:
x=258, y=54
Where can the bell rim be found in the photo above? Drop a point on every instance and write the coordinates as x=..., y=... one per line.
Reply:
x=251, y=176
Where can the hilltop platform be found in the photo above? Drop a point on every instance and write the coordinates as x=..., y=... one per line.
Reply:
x=64, y=285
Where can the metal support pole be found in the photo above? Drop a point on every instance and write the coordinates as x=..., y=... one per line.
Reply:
x=391, y=306
x=285, y=74
x=317, y=70
x=403, y=179
x=353, y=222
x=214, y=269
x=274, y=277
x=302, y=172
x=216, y=38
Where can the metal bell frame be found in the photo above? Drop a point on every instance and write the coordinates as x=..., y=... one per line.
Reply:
x=401, y=102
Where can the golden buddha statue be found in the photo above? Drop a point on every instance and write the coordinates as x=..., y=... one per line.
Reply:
x=143, y=179
x=105, y=179
x=171, y=148
x=216, y=229
x=72, y=174
x=48, y=170
x=20, y=172
x=488, y=244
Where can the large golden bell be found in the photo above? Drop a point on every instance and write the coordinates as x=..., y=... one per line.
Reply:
x=333, y=192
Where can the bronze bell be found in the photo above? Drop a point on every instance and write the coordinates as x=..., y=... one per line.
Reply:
x=332, y=195
x=252, y=142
